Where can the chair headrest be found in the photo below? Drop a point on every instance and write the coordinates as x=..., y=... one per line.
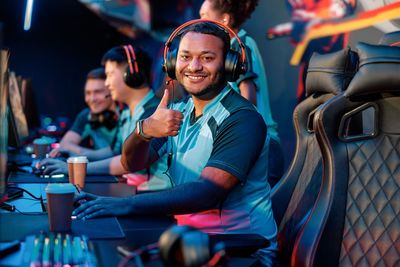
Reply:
x=378, y=70
x=391, y=39
x=330, y=73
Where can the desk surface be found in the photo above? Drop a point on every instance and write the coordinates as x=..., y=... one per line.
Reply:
x=139, y=230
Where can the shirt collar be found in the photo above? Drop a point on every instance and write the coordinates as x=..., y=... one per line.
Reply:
x=144, y=100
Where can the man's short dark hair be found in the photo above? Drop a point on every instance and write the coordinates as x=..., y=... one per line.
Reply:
x=211, y=29
x=98, y=73
x=240, y=10
x=118, y=54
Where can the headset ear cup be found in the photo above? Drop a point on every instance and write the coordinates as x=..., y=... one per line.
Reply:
x=170, y=244
x=233, y=66
x=133, y=80
x=170, y=64
x=195, y=246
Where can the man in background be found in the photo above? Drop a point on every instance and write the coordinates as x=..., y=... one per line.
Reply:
x=129, y=83
x=95, y=127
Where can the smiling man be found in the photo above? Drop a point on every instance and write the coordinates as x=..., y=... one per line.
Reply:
x=132, y=89
x=96, y=125
x=215, y=142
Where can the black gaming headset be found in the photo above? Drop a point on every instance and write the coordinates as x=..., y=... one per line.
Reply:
x=235, y=62
x=107, y=118
x=133, y=75
x=188, y=247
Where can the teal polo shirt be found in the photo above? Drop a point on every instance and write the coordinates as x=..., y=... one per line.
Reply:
x=229, y=135
x=256, y=72
x=100, y=137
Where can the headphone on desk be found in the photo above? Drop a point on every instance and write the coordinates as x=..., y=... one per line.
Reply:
x=182, y=246
x=189, y=247
x=235, y=62
x=133, y=75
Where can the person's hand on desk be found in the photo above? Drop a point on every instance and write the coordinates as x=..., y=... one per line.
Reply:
x=53, y=166
x=61, y=152
x=92, y=206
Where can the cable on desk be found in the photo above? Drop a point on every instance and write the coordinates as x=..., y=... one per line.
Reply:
x=28, y=213
x=147, y=253
x=31, y=195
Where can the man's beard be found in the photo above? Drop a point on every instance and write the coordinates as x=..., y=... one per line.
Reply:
x=213, y=89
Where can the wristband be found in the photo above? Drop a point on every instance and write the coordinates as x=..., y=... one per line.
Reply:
x=139, y=126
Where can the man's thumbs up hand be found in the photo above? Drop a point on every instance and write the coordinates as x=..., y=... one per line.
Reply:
x=164, y=122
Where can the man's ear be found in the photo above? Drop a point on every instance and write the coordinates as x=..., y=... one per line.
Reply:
x=226, y=19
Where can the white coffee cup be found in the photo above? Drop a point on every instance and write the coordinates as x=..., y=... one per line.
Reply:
x=77, y=170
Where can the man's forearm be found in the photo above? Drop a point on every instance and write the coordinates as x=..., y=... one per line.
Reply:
x=135, y=153
x=186, y=198
x=110, y=166
x=99, y=154
x=91, y=154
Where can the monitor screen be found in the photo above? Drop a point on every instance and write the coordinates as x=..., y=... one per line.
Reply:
x=18, y=126
x=3, y=120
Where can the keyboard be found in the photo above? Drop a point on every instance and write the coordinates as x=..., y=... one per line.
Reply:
x=50, y=249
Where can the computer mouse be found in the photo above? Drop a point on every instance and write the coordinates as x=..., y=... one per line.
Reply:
x=79, y=202
x=38, y=171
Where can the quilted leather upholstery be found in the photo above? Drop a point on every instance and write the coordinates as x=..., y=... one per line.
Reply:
x=356, y=218
x=371, y=234
x=294, y=195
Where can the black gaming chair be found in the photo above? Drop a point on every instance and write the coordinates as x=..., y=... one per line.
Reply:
x=294, y=195
x=356, y=219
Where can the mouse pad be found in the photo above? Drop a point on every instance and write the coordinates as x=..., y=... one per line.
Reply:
x=17, y=226
x=22, y=177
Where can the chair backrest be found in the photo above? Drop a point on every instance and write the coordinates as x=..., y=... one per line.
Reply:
x=294, y=195
x=356, y=218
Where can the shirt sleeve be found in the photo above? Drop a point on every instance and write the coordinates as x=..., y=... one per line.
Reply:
x=238, y=143
x=80, y=121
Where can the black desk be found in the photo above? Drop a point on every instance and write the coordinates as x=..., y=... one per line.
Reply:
x=139, y=230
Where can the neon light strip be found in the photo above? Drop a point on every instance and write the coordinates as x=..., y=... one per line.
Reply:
x=362, y=20
x=28, y=15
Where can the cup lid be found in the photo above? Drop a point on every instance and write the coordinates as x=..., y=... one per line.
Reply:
x=80, y=159
x=40, y=141
x=58, y=188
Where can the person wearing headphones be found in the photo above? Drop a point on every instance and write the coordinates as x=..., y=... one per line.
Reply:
x=215, y=141
x=253, y=83
x=95, y=127
x=128, y=75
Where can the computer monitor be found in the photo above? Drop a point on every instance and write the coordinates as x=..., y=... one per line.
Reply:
x=3, y=121
x=18, y=126
x=29, y=104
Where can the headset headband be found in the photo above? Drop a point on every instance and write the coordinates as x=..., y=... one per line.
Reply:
x=191, y=22
x=130, y=51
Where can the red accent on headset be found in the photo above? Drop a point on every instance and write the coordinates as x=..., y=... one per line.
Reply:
x=191, y=22
x=129, y=51
x=128, y=57
x=134, y=58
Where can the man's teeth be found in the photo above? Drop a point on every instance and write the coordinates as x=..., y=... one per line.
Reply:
x=195, y=77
